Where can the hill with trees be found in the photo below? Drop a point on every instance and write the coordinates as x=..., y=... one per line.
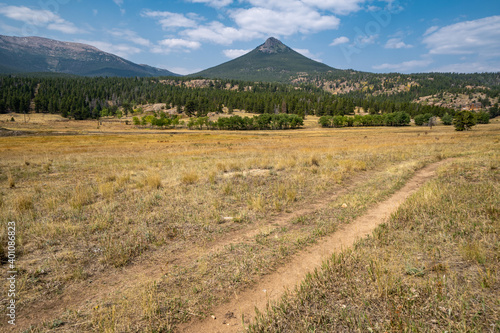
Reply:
x=272, y=61
x=36, y=54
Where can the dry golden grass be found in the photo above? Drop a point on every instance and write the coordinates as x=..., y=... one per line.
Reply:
x=118, y=200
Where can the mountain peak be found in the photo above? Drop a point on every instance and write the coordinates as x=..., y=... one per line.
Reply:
x=37, y=54
x=272, y=45
x=272, y=61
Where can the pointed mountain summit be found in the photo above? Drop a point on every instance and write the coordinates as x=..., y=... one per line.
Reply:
x=272, y=45
x=36, y=54
x=272, y=61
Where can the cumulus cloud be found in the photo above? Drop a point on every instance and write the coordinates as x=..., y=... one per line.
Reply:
x=283, y=18
x=470, y=67
x=39, y=18
x=122, y=50
x=169, y=20
x=235, y=53
x=342, y=7
x=307, y=53
x=218, y=33
x=397, y=43
x=130, y=36
x=404, y=66
x=481, y=37
x=214, y=3
x=169, y=45
x=261, y=19
x=365, y=40
x=339, y=40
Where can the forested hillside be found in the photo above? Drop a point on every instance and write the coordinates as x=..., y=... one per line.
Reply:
x=83, y=98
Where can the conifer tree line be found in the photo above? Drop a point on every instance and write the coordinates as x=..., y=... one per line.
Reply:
x=91, y=98
x=424, y=84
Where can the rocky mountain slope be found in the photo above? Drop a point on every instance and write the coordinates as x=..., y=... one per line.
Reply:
x=36, y=54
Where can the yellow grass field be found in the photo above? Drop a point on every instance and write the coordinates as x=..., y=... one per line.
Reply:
x=120, y=229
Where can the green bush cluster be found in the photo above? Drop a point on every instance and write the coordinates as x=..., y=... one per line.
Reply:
x=422, y=119
x=388, y=119
x=162, y=121
x=264, y=121
x=464, y=120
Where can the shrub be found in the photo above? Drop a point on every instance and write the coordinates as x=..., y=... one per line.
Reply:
x=447, y=119
x=419, y=119
x=483, y=117
x=464, y=120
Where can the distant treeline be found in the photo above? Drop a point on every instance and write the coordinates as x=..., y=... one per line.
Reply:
x=426, y=84
x=84, y=98
x=261, y=122
x=388, y=119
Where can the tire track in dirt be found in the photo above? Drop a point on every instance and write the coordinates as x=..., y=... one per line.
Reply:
x=228, y=317
x=151, y=267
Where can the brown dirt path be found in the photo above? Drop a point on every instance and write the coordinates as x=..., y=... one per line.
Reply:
x=228, y=317
x=151, y=267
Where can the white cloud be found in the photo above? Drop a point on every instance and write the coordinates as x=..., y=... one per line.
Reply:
x=470, y=67
x=397, y=43
x=214, y=3
x=39, y=18
x=218, y=33
x=167, y=46
x=431, y=30
x=342, y=7
x=131, y=36
x=339, y=40
x=265, y=18
x=170, y=20
x=365, y=40
x=184, y=70
x=64, y=27
x=307, y=53
x=122, y=50
x=283, y=21
x=404, y=66
x=118, y=2
x=235, y=53
x=481, y=37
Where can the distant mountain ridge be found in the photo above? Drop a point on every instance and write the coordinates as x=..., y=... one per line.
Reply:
x=37, y=54
x=271, y=61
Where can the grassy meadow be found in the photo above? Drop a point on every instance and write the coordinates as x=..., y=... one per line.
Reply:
x=131, y=230
x=432, y=268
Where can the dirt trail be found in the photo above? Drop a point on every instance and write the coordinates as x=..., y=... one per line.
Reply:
x=228, y=317
x=151, y=267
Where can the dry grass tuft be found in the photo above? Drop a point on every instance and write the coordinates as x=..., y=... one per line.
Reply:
x=11, y=182
x=153, y=180
x=190, y=178
x=24, y=203
x=82, y=195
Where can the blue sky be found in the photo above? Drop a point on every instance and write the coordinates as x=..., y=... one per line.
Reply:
x=186, y=36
